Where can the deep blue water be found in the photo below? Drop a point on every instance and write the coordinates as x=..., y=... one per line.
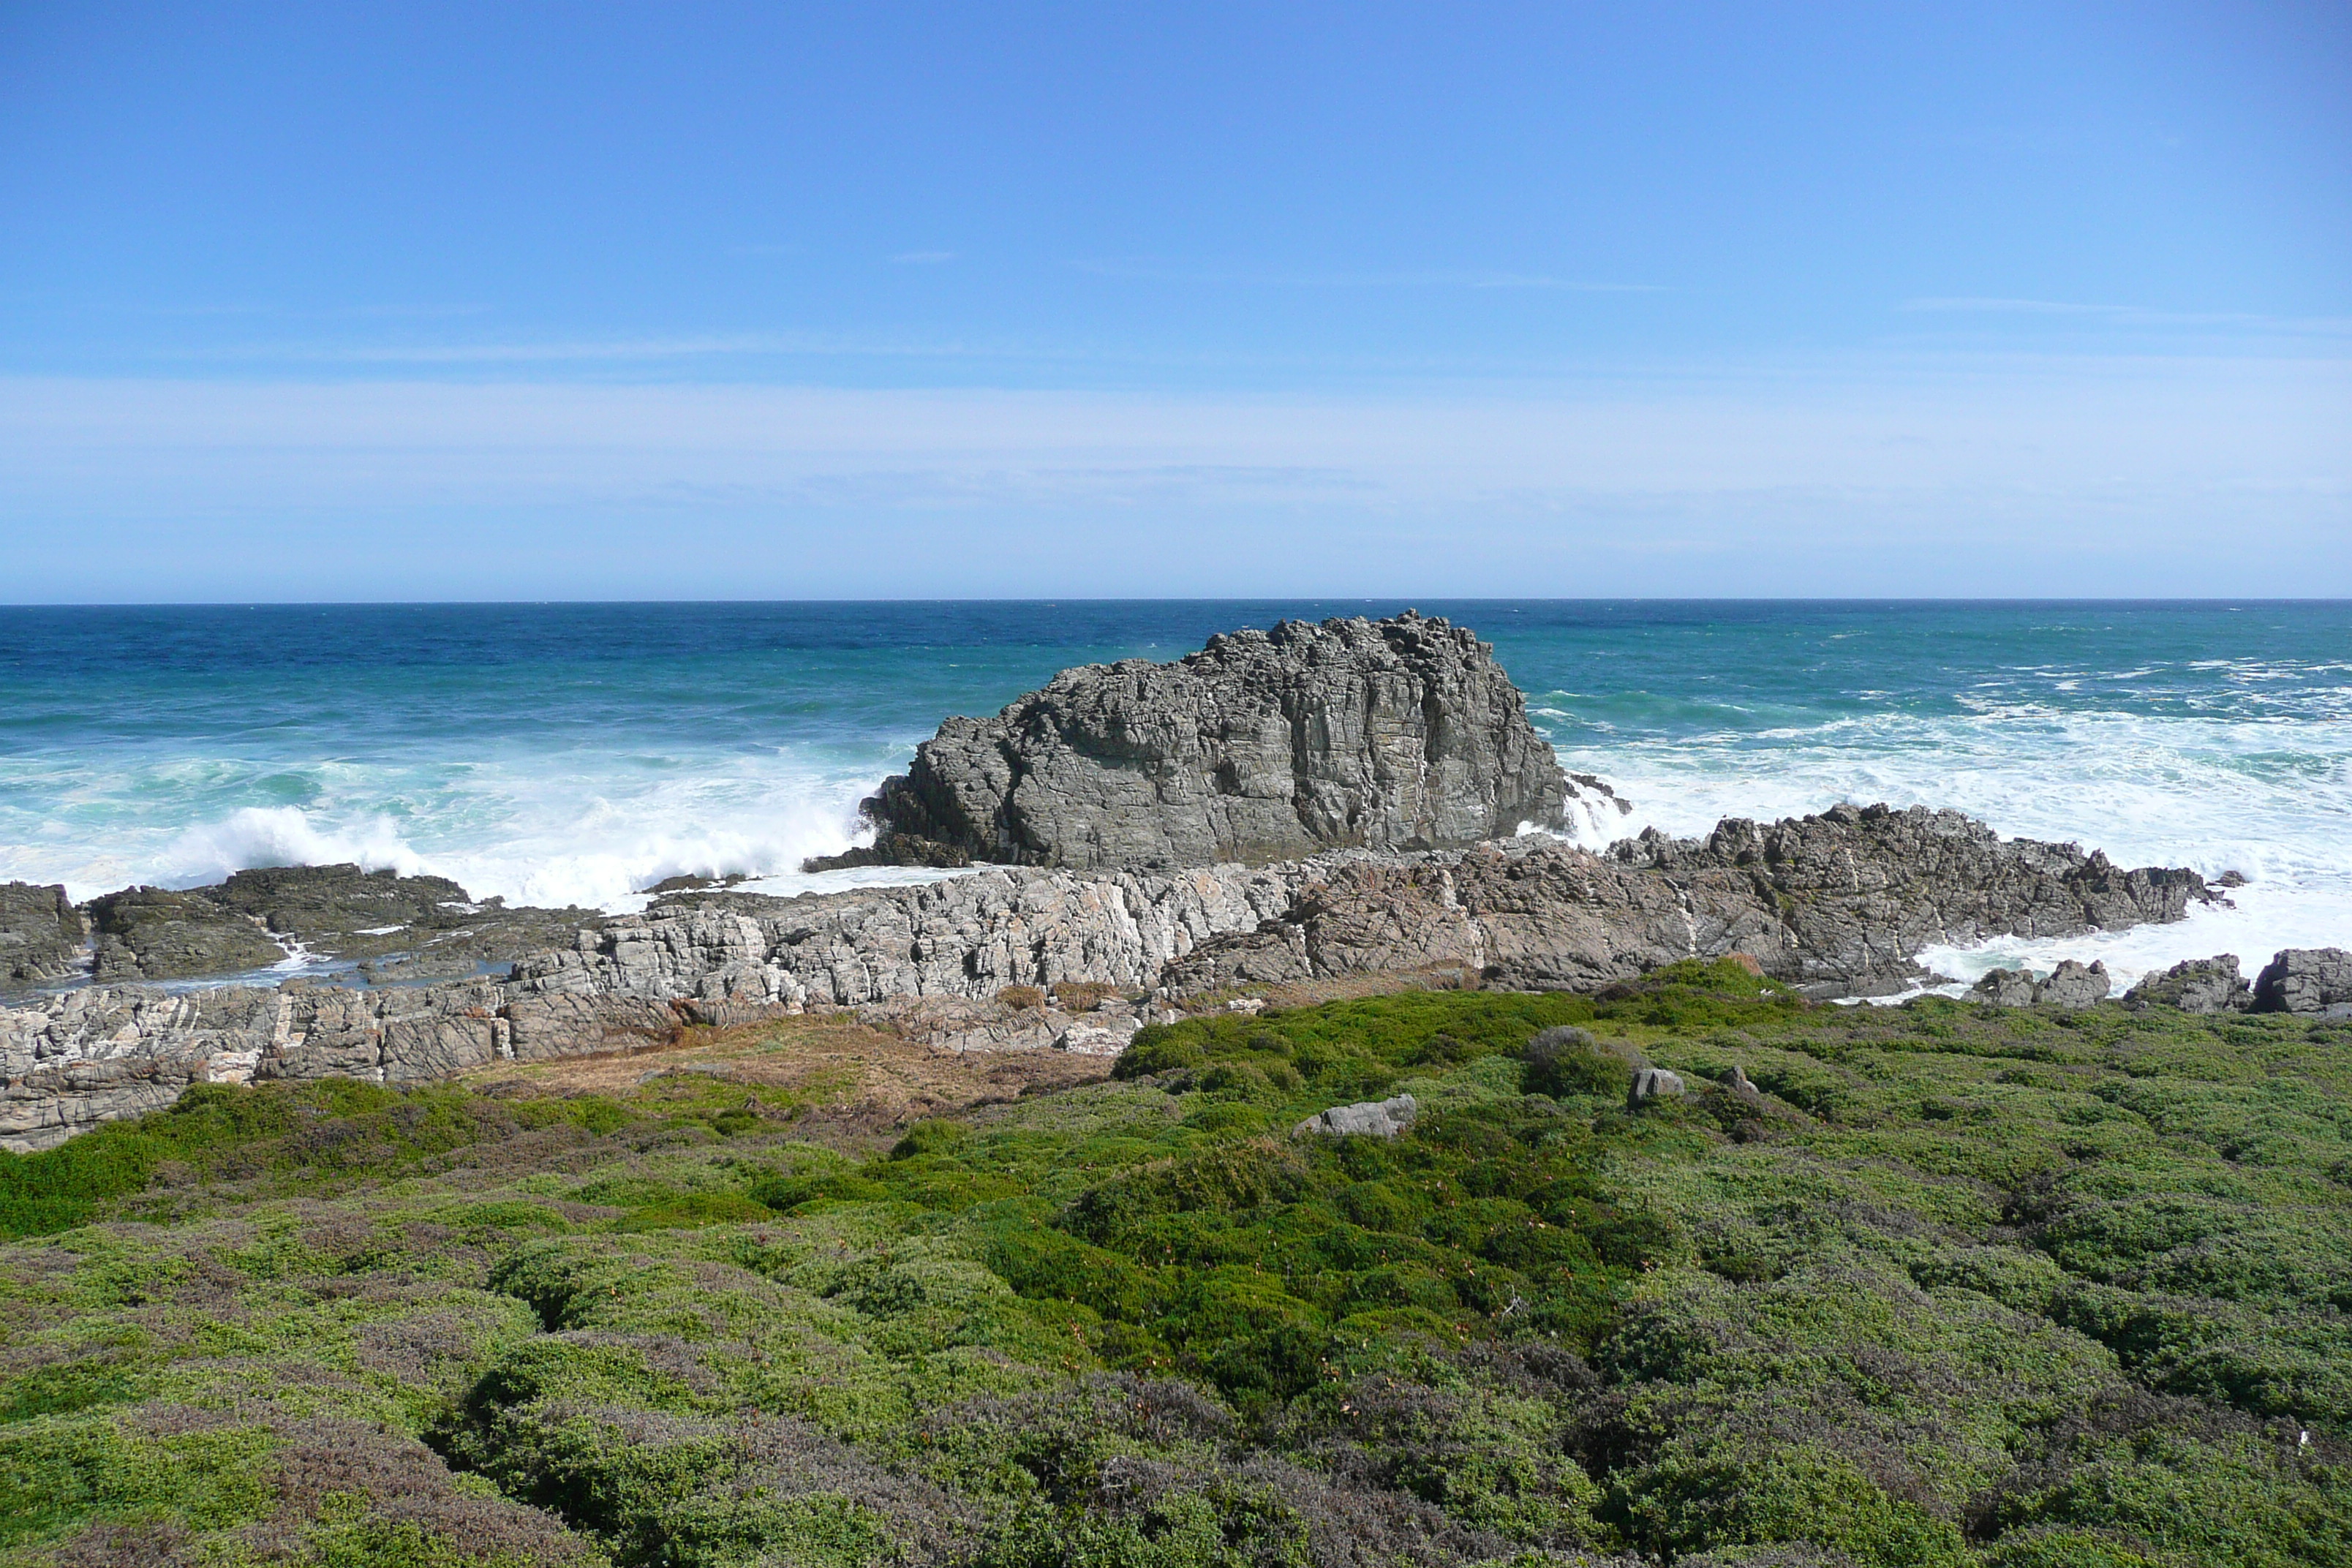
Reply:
x=574, y=753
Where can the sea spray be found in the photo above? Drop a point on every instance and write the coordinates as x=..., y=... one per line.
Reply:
x=575, y=754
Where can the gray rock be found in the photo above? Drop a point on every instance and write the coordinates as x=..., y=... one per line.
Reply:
x=1531, y=914
x=1840, y=901
x=2070, y=985
x=1655, y=1083
x=2195, y=985
x=40, y=935
x=1741, y=1087
x=1265, y=746
x=2004, y=988
x=401, y=928
x=2307, y=980
x=1371, y=1118
x=149, y=933
x=2074, y=985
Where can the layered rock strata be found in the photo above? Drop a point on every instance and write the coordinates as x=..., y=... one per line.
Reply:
x=1837, y=901
x=1265, y=746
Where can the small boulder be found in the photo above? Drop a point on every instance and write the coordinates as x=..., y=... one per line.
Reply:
x=1741, y=1087
x=1655, y=1083
x=2074, y=985
x=2307, y=980
x=2195, y=985
x=2005, y=988
x=1368, y=1118
x=2070, y=985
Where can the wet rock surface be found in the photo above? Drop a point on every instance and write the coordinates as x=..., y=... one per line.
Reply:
x=1265, y=746
x=149, y=933
x=41, y=933
x=2307, y=980
x=402, y=928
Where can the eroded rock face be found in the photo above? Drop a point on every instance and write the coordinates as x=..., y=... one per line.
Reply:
x=40, y=933
x=1835, y=900
x=2195, y=985
x=2307, y=980
x=2004, y=988
x=150, y=933
x=1838, y=902
x=1265, y=746
x=2075, y=984
x=409, y=928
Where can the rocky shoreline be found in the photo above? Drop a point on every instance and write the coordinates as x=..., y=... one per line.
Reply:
x=1134, y=811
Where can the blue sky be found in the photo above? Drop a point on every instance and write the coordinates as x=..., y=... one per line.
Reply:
x=597, y=300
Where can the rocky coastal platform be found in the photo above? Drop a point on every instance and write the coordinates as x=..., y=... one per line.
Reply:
x=1313, y=804
x=1836, y=902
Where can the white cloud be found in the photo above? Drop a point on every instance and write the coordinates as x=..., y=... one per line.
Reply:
x=2022, y=475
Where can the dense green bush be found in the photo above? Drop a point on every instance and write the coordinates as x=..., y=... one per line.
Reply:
x=1957, y=1286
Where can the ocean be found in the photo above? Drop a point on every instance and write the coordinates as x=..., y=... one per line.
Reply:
x=576, y=753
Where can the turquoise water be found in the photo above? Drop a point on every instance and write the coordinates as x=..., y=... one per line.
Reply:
x=556, y=754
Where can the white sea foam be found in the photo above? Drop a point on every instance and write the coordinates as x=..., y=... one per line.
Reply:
x=548, y=831
x=2238, y=788
x=2271, y=799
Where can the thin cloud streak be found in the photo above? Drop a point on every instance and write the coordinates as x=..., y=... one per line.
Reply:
x=2147, y=476
x=2135, y=315
x=1153, y=272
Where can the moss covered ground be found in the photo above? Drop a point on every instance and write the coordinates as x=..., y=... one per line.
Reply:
x=1949, y=1285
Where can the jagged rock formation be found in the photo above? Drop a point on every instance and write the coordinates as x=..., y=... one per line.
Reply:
x=40, y=933
x=2072, y=984
x=2195, y=985
x=2307, y=980
x=2004, y=988
x=150, y=933
x=1837, y=901
x=419, y=927
x=1263, y=746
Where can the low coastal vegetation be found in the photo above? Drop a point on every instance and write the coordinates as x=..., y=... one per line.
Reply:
x=1937, y=1284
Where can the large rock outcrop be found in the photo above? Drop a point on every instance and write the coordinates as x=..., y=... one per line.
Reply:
x=1265, y=746
x=40, y=933
x=156, y=933
x=2307, y=980
x=1838, y=901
